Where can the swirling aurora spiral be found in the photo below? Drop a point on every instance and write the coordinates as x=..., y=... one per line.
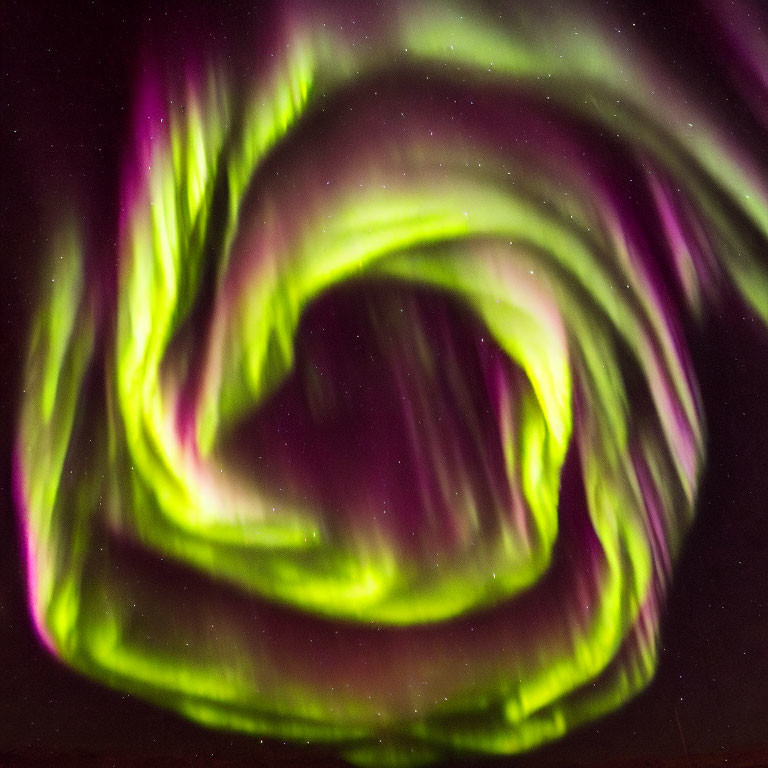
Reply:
x=529, y=172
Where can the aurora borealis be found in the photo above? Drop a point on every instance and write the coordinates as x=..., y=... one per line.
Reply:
x=517, y=217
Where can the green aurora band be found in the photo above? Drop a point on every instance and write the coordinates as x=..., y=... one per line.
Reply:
x=160, y=565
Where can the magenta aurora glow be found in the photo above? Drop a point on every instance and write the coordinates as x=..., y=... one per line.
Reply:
x=388, y=437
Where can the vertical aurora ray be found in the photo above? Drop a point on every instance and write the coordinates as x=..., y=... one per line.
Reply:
x=390, y=438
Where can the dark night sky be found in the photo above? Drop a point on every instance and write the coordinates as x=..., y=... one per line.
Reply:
x=66, y=76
